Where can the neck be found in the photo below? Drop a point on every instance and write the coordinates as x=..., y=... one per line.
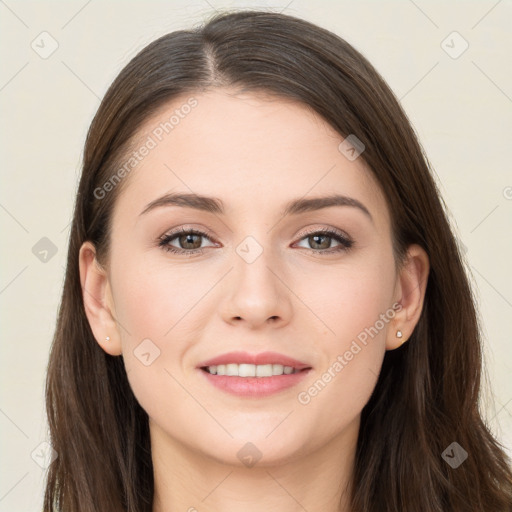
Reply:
x=189, y=480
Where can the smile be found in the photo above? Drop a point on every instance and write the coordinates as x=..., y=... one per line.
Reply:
x=250, y=370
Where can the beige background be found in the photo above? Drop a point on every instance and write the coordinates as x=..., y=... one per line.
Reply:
x=461, y=108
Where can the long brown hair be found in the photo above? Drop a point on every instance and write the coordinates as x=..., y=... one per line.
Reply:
x=427, y=394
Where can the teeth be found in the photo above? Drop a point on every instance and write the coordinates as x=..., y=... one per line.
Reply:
x=250, y=370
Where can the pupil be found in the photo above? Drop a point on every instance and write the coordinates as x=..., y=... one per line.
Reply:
x=190, y=238
x=316, y=237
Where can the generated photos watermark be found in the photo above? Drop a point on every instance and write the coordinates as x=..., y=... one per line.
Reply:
x=156, y=136
x=342, y=360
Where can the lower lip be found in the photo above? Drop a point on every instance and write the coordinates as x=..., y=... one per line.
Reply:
x=255, y=386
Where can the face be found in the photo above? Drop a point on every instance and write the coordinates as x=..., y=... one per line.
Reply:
x=187, y=285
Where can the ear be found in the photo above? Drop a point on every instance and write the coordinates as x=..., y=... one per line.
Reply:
x=410, y=294
x=98, y=301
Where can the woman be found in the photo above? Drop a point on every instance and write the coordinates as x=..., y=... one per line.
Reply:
x=264, y=303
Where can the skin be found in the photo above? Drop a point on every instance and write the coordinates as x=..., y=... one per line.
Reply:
x=256, y=153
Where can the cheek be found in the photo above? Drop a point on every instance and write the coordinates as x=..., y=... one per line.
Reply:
x=332, y=402
x=156, y=305
x=155, y=299
x=344, y=381
x=356, y=313
x=346, y=299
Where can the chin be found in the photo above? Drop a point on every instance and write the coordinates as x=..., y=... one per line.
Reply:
x=257, y=449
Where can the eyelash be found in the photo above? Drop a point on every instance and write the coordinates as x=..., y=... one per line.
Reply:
x=346, y=243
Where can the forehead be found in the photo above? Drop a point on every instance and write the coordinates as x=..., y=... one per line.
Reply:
x=255, y=151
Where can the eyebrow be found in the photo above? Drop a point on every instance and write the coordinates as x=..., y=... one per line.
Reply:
x=216, y=206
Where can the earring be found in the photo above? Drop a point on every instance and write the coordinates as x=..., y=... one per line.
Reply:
x=108, y=338
x=399, y=335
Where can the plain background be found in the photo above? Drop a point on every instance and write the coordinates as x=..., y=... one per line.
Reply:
x=460, y=104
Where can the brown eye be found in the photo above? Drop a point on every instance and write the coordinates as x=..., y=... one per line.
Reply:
x=189, y=241
x=320, y=241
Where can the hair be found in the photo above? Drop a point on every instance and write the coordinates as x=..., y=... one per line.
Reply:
x=427, y=394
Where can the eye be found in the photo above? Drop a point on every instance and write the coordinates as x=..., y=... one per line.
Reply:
x=321, y=239
x=189, y=239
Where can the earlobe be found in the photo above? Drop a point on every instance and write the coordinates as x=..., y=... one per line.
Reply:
x=98, y=301
x=410, y=294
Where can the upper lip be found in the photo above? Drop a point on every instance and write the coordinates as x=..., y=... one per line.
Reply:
x=257, y=359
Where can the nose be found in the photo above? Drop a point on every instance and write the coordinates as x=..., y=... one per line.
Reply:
x=256, y=293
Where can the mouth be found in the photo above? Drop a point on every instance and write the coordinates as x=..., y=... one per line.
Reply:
x=253, y=375
x=252, y=370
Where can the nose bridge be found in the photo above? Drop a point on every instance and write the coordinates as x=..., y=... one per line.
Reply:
x=257, y=293
x=252, y=266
